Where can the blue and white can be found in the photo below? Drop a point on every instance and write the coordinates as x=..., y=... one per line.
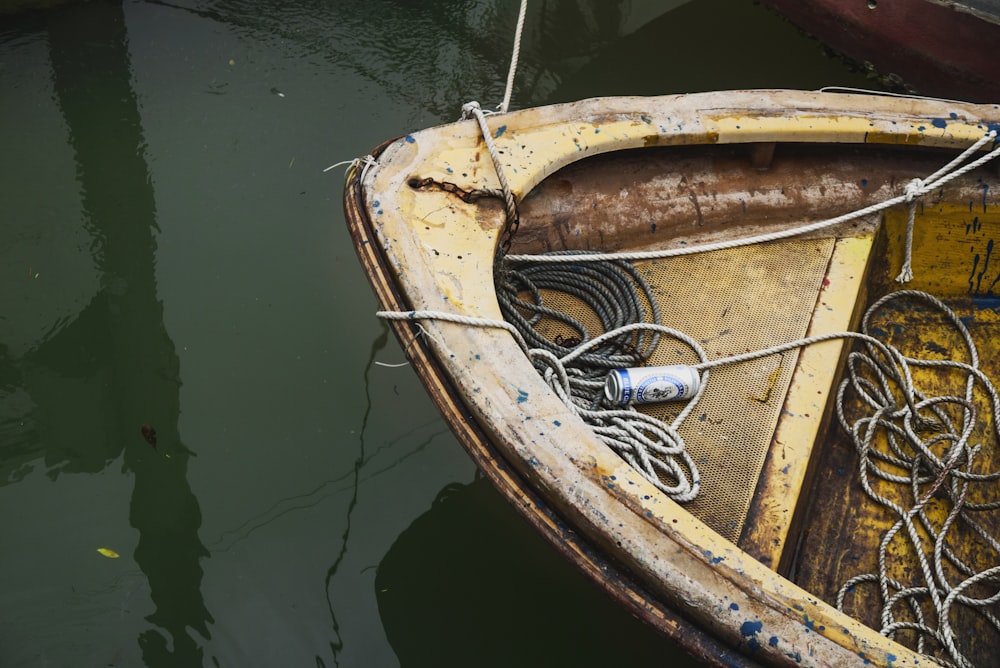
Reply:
x=649, y=384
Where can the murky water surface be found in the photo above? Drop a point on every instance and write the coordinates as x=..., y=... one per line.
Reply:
x=187, y=343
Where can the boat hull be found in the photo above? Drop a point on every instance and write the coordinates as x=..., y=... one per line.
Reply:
x=935, y=48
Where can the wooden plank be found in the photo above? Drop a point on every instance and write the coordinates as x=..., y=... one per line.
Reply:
x=785, y=476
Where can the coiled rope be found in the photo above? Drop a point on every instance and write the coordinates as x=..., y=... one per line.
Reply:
x=575, y=368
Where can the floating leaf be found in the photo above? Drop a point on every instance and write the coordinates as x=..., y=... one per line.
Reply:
x=149, y=433
x=110, y=554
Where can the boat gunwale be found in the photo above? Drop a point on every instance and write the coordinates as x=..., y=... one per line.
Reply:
x=574, y=546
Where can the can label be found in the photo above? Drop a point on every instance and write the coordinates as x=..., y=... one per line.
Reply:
x=650, y=384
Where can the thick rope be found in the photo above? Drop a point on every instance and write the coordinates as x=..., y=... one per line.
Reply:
x=509, y=90
x=472, y=110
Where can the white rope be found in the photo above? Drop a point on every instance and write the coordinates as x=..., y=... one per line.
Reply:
x=368, y=161
x=668, y=443
x=513, y=58
x=454, y=317
x=919, y=188
x=911, y=193
x=473, y=110
x=652, y=447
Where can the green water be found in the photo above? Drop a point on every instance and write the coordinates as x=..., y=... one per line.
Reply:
x=173, y=256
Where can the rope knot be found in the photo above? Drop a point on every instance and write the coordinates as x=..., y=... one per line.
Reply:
x=913, y=189
x=469, y=110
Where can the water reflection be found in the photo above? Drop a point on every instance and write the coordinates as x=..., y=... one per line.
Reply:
x=457, y=558
x=95, y=379
x=337, y=644
x=437, y=55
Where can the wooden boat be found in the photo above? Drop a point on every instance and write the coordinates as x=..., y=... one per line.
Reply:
x=739, y=538
x=938, y=47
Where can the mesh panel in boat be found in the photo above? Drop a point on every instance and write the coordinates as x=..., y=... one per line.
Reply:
x=731, y=301
x=745, y=299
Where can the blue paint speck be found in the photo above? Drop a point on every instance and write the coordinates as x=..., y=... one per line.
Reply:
x=864, y=183
x=557, y=423
x=409, y=139
x=734, y=606
x=749, y=630
x=522, y=396
x=773, y=641
x=500, y=130
x=939, y=123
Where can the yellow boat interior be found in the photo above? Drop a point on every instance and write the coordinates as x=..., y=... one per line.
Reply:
x=779, y=476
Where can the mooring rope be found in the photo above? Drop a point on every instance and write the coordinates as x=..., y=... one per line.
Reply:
x=509, y=90
x=473, y=110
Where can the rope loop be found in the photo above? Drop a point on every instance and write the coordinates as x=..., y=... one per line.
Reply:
x=472, y=110
x=469, y=110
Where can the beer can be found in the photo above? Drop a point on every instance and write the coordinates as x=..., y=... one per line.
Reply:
x=649, y=384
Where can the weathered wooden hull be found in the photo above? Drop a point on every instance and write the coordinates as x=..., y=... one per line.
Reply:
x=939, y=48
x=706, y=169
